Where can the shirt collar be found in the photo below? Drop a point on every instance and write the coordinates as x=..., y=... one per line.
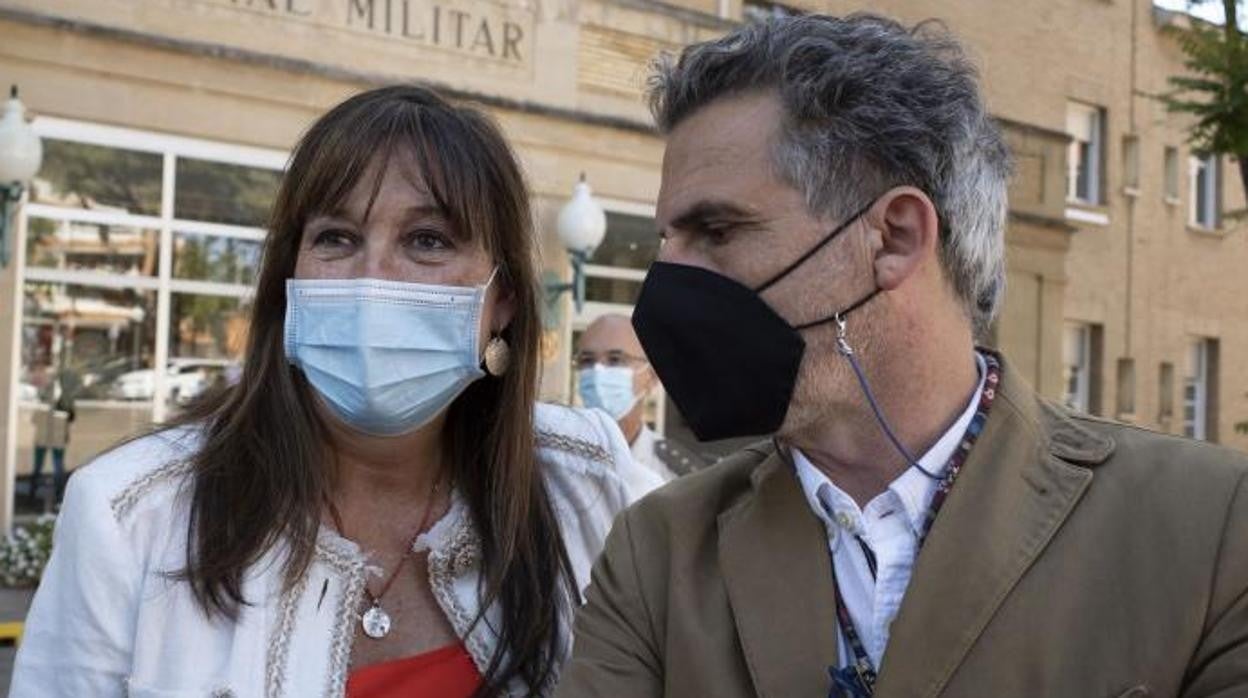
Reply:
x=643, y=445
x=912, y=488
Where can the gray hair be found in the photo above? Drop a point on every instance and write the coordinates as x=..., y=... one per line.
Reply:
x=869, y=105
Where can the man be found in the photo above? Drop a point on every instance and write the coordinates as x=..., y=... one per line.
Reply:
x=922, y=524
x=613, y=375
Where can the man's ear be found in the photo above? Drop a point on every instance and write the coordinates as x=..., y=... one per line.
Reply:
x=907, y=232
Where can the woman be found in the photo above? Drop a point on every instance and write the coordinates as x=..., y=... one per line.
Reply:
x=377, y=507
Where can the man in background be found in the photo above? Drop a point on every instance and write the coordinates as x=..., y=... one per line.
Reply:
x=614, y=375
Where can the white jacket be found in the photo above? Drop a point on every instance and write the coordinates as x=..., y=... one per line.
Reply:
x=107, y=620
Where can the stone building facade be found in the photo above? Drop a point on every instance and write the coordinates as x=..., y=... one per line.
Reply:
x=166, y=123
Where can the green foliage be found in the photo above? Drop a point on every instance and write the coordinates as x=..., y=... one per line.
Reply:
x=1215, y=92
x=125, y=179
x=200, y=257
x=223, y=193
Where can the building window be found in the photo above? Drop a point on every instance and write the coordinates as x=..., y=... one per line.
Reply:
x=1196, y=391
x=614, y=275
x=1172, y=174
x=1077, y=366
x=1085, y=125
x=140, y=254
x=1204, y=191
x=1081, y=366
x=618, y=267
x=1126, y=389
x=67, y=244
x=98, y=177
x=218, y=192
x=1165, y=395
x=1131, y=165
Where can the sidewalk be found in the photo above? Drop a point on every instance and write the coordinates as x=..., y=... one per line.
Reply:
x=13, y=606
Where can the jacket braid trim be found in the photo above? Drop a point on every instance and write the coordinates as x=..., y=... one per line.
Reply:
x=279, y=645
x=125, y=500
x=461, y=554
x=574, y=446
x=353, y=570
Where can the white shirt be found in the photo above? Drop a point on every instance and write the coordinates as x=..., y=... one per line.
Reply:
x=890, y=525
x=645, y=454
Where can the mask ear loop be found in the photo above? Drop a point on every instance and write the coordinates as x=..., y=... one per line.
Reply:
x=844, y=348
x=490, y=281
x=815, y=250
x=640, y=397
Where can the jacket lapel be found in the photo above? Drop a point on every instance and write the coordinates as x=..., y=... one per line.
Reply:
x=1011, y=498
x=773, y=553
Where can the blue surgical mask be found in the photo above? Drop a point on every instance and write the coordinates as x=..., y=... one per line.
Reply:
x=386, y=356
x=608, y=388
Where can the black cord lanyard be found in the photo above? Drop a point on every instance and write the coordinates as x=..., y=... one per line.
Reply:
x=858, y=679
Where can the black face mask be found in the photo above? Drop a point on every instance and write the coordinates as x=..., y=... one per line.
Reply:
x=727, y=359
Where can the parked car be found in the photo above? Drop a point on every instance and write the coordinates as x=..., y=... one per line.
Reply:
x=98, y=378
x=185, y=379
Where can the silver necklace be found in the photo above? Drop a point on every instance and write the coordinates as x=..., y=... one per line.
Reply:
x=375, y=621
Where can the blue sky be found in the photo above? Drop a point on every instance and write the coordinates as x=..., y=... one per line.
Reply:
x=1210, y=10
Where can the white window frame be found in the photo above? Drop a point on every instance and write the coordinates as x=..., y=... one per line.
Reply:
x=1196, y=377
x=170, y=147
x=1203, y=211
x=1096, y=153
x=1081, y=399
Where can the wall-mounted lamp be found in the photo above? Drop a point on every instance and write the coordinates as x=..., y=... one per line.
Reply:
x=21, y=153
x=581, y=226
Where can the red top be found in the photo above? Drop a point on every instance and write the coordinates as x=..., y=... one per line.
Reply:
x=442, y=673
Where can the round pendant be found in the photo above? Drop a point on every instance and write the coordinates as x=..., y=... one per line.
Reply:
x=376, y=622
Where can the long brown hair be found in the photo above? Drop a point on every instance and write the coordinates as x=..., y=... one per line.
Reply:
x=262, y=474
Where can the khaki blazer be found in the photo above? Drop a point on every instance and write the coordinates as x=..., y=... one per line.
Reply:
x=1074, y=557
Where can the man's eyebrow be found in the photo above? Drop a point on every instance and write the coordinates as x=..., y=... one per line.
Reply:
x=711, y=209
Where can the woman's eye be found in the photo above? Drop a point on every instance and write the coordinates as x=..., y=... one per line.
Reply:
x=333, y=239
x=430, y=240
